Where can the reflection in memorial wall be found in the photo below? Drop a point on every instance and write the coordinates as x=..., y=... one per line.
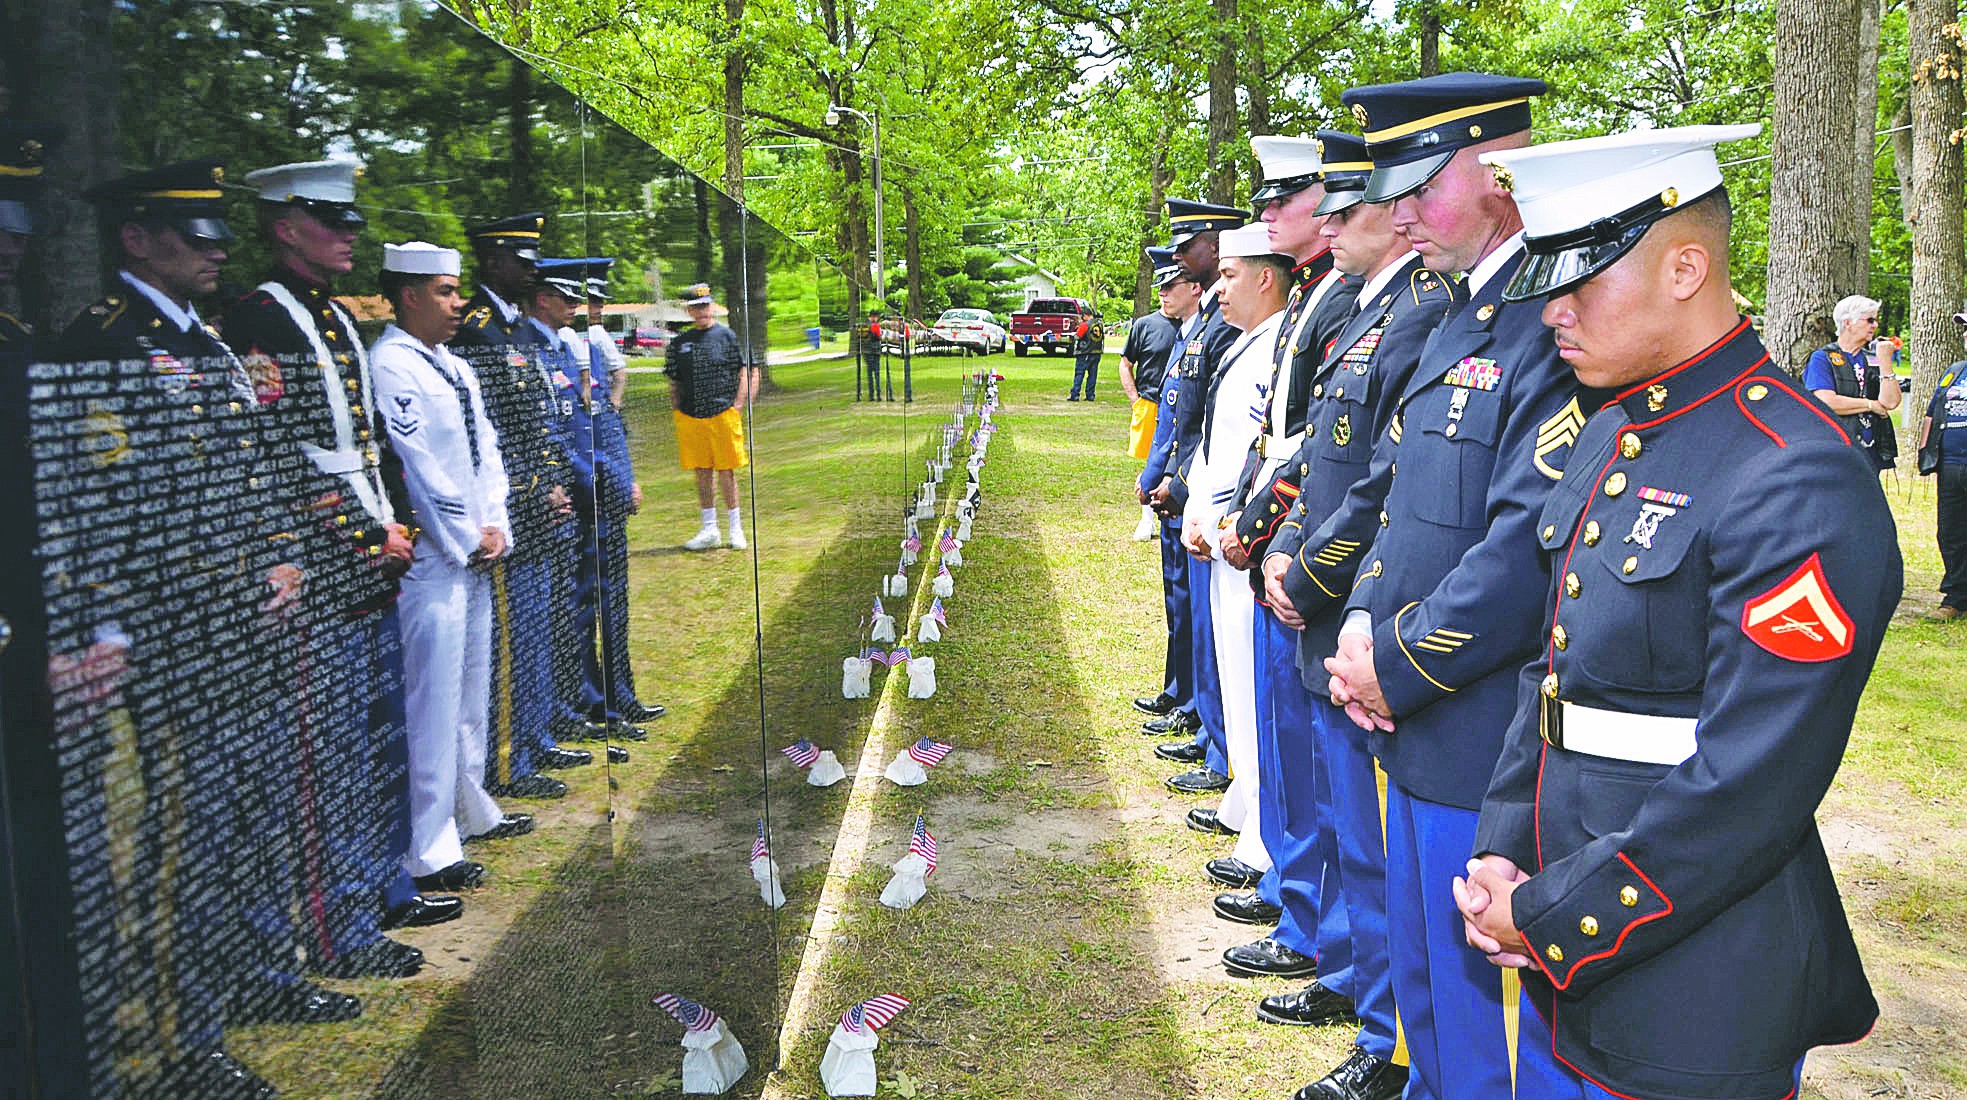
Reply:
x=377, y=721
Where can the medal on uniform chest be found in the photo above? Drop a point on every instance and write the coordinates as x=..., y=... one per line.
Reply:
x=1647, y=523
x=1342, y=429
x=1456, y=405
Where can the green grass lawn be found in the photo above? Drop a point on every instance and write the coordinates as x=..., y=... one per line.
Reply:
x=1066, y=947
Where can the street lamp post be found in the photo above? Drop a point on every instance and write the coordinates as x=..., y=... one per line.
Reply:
x=833, y=114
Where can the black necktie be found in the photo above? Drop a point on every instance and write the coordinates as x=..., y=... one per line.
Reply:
x=464, y=406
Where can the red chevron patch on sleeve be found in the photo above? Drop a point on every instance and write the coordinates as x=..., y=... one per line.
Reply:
x=1800, y=619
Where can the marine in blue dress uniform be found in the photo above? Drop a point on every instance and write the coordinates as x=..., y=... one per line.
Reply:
x=310, y=373
x=1193, y=230
x=1442, y=610
x=1724, y=567
x=1173, y=707
x=1354, y=393
x=182, y=853
x=1310, y=920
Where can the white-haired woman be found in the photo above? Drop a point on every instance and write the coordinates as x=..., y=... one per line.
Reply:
x=1842, y=375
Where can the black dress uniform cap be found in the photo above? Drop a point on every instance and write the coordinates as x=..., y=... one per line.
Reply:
x=521, y=233
x=23, y=154
x=1347, y=168
x=1188, y=219
x=565, y=275
x=187, y=196
x=1290, y=165
x=597, y=277
x=1414, y=127
x=1585, y=203
x=1166, y=270
x=324, y=188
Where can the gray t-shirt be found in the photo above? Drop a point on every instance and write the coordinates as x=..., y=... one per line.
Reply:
x=705, y=364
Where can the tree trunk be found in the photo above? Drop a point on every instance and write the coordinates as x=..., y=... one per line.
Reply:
x=522, y=168
x=706, y=253
x=1865, y=150
x=1938, y=266
x=743, y=238
x=1810, y=174
x=1902, y=158
x=1430, y=40
x=912, y=252
x=1256, y=91
x=1222, y=105
x=64, y=267
x=1158, y=178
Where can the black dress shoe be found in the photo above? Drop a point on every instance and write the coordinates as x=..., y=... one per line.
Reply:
x=1072, y=397
x=510, y=825
x=1199, y=781
x=643, y=712
x=1267, y=958
x=1156, y=705
x=1175, y=723
x=384, y=958
x=1233, y=873
x=1181, y=752
x=617, y=754
x=1308, y=1007
x=1361, y=1076
x=290, y=1003
x=215, y=1075
x=566, y=727
x=561, y=759
x=462, y=875
x=620, y=730
x=531, y=786
x=1248, y=908
x=1205, y=820
x=424, y=910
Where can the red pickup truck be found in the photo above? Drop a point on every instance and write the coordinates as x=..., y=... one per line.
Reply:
x=1050, y=324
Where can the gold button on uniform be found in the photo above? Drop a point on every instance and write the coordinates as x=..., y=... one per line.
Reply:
x=1630, y=567
x=1450, y=432
x=1571, y=585
x=1549, y=528
x=1318, y=390
x=1615, y=484
x=1628, y=896
x=1340, y=392
x=1486, y=312
x=1757, y=392
x=1554, y=953
x=1592, y=533
x=1560, y=637
x=1629, y=446
x=1588, y=925
x=1383, y=517
x=1550, y=686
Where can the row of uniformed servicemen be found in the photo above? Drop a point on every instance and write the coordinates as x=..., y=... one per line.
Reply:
x=1518, y=607
x=308, y=607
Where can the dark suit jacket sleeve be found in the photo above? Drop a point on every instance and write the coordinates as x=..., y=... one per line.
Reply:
x=1489, y=595
x=1772, y=731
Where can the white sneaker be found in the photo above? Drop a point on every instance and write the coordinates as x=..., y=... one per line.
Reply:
x=1148, y=529
x=737, y=541
x=704, y=539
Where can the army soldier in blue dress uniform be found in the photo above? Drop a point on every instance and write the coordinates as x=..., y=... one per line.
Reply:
x=1354, y=394
x=310, y=371
x=1293, y=892
x=503, y=349
x=1193, y=230
x=1720, y=590
x=1441, y=613
x=189, y=847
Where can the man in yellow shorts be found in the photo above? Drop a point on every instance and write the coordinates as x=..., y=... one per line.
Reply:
x=711, y=385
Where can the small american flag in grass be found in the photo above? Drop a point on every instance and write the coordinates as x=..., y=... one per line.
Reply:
x=873, y=1014
x=802, y=752
x=920, y=843
x=693, y=1016
x=760, y=848
x=929, y=752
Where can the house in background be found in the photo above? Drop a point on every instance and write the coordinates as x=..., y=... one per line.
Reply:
x=1036, y=283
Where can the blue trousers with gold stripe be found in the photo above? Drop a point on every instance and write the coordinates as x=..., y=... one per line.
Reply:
x=1297, y=807
x=1208, y=684
x=1471, y=1034
x=522, y=667
x=1346, y=767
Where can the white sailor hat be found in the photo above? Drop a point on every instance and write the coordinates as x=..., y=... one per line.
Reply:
x=1585, y=203
x=1290, y=165
x=1245, y=240
x=326, y=188
x=420, y=258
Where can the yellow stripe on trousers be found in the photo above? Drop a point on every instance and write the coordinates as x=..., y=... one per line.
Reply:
x=502, y=729
x=1399, y=1033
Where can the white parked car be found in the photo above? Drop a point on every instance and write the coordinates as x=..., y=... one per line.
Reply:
x=975, y=329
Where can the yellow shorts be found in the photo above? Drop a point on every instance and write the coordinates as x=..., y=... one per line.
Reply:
x=1140, y=432
x=712, y=442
